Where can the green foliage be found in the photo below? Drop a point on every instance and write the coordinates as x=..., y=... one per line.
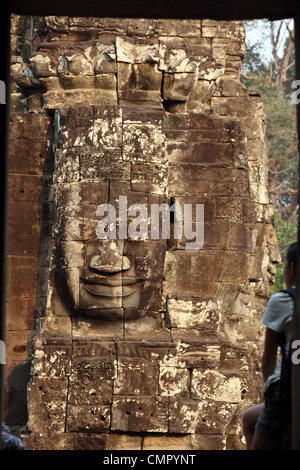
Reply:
x=254, y=63
x=261, y=74
x=281, y=132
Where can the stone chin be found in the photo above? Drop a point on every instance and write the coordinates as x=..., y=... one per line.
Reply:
x=111, y=314
x=108, y=314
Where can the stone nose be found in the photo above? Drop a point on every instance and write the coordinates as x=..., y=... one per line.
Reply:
x=109, y=258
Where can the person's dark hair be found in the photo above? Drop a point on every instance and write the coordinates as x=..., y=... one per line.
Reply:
x=291, y=255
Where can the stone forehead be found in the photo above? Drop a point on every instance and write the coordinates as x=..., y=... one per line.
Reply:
x=108, y=143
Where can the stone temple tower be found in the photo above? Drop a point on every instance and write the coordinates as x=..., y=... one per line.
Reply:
x=146, y=338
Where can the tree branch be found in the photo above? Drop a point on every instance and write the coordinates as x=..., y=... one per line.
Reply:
x=255, y=77
x=284, y=192
x=285, y=62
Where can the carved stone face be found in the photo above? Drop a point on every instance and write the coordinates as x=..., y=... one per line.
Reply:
x=110, y=100
x=118, y=276
x=107, y=278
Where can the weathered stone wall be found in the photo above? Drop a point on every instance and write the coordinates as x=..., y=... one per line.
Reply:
x=152, y=110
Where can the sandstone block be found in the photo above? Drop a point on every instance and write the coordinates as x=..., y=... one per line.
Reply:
x=19, y=314
x=68, y=167
x=123, y=442
x=47, y=408
x=57, y=99
x=207, y=153
x=202, y=351
x=23, y=244
x=29, y=126
x=140, y=414
x=97, y=329
x=173, y=288
x=193, y=313
x=80, y=60
x=21, y=281
x=181, y=28
x=45, y=61
x=148, y=327
x=143, y=142
x=216, y=386
x=210, y=266
x=43, y=66
x=90, y=382
x=65, y=441
x=71, y=254
x=235, y=358
x=254, y=128
x=188, y=442
x=238, y=106
x=149, y=177
x=223, y=29
x=198, y=100
x=181, y=59
x=152, y=351
x=183, y=415
x=88, y=418
x=231, y=87
x=146, y=258
x=232, y=67
x=106, y=129
x=29, y=188
x=82, y=125
x=141, y=27
x=24, y=218
x=52, y=356
x=16, y=350
x=214, y=418
x=105, y=165
x=189, y=179
x=73, y=82
x=167, y=442
x=120, y=188
x=136, y=376
x=27, y=156
x=70, y=224
x=139, y=77
x=235, y=47
x=231, y=236
x=87, y=192
x=174, y=381
x=200, y=127
x=115, y=25
x=178, y=86
x=144, y=115
x=134, y=98
x=137, y=51
x=105, y=61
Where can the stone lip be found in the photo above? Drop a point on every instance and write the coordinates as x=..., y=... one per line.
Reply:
x=109, y=280
x=102, y=290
